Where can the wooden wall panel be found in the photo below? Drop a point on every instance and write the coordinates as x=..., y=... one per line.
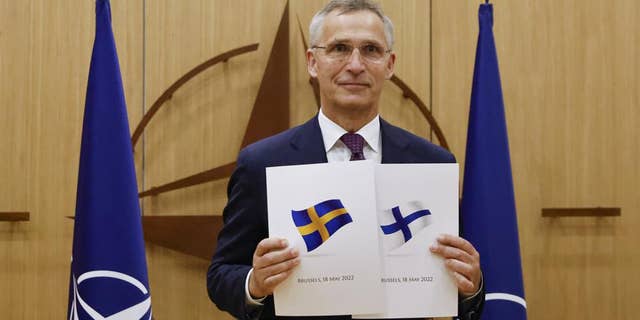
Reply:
x=302, y=103
x=201, y=127
x=14, y=148
x=413, y=49
x=569, y=72
x=44, y=63
x=203, y=124
x=13, y=107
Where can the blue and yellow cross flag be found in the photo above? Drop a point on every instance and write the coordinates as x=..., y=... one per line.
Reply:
x=108, y=269
x=316, y=224
x=488, y=206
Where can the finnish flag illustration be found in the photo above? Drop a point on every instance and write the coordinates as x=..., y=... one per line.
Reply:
x=401, y=223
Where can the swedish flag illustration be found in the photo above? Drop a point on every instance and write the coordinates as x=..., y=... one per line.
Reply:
x=318, y=223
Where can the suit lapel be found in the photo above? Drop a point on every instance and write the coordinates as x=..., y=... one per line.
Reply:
x=394, y=143
x=307, y=143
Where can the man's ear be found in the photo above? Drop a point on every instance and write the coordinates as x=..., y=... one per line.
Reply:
x=391, y=65
x=312, y=64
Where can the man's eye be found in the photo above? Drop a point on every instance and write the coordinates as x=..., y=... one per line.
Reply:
x=371, y=49
x=340, y=48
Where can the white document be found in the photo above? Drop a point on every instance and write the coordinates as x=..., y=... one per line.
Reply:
x=416, y=203
x=327, y=211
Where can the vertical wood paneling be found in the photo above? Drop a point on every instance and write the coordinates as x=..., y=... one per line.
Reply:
x=44, y=63
x=302, y=103
x=201, y=127
x=569, y=74
x=411, y=23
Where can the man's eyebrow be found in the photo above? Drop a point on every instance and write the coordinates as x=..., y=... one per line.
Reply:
x=350, y=41
x=339, y=40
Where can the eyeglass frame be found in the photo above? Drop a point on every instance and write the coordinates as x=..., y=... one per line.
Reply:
x=347, y=56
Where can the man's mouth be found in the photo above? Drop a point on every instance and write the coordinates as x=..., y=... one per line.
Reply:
x=350, y=84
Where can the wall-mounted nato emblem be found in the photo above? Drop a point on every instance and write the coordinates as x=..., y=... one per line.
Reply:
x=402, y=222
x=316, y=224
x=134, y=302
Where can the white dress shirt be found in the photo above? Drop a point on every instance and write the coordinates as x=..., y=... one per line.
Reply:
x=337, y=151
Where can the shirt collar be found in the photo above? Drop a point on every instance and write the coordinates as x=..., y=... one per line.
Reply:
x=331, y=132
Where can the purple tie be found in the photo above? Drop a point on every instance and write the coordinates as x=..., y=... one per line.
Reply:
x=355, y=143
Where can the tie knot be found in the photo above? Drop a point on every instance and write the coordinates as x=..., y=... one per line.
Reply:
x=355, y=143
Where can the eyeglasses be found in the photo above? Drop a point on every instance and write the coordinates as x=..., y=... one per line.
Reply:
x=340, y=52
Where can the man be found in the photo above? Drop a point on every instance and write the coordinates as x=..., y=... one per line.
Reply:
x=351, y=57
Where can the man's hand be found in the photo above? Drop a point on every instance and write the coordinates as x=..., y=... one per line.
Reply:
x=272, y=264
x=463, y=260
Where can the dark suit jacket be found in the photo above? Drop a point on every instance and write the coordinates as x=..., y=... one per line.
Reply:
x=245, y=216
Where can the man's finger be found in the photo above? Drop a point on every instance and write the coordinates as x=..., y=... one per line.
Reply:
x=274, y=257
x=457, y=242
x=273, y=281
x=259, y=283
x=464, y=285
x=449, y=252
x=460, y=267
x=279, y=268
x=270, y=244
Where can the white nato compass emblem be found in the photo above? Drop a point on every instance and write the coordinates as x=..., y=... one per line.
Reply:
x=506, y=297
x=136, y=311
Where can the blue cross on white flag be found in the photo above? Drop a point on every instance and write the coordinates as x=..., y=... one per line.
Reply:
x=401, y=223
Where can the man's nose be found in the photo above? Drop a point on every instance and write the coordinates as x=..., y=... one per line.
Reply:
x=354, y=62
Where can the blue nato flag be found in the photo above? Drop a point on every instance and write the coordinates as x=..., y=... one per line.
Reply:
x=108, y=268
x=316, y=224
x=488, y=206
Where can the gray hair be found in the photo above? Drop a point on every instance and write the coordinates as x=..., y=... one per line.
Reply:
x=346, y=6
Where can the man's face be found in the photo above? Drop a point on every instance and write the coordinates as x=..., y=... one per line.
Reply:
x=355, y=82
